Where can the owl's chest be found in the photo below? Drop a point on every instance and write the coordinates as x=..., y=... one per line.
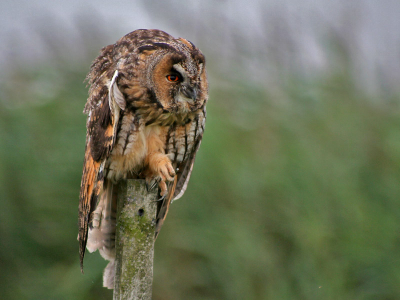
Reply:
x=134, y=141
x=179, y=142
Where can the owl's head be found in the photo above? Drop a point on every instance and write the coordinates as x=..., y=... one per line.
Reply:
x=175, y=74
x=148, y=69
x=156, y=68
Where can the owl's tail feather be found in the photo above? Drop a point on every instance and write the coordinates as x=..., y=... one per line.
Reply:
x=102, y=232
x=109, y=275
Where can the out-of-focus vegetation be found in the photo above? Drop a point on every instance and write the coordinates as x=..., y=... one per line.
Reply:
x=294, y=194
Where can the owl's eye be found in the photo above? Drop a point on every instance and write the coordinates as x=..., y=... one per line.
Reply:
x=173, y=78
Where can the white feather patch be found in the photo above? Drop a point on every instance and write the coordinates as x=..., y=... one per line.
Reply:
x=115, y=95
x=116, y=101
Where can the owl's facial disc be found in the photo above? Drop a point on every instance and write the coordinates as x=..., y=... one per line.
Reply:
x=175, y=84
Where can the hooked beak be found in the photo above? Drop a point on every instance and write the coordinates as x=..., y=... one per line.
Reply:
x=189, y=92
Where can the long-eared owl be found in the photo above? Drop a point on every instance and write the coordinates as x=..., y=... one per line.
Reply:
x=146, y=115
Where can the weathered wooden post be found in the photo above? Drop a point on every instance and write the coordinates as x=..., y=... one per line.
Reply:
x=136, y=217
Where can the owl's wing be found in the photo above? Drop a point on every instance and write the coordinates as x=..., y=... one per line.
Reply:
x=101, y=134
x=178, y=187
x=185, y=170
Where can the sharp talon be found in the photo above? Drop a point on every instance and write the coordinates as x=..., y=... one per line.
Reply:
x=147, y=186
x=150, y=185
x=161, y=199
x=154, y=184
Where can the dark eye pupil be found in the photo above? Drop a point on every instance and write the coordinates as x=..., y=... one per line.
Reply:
x=173, y=77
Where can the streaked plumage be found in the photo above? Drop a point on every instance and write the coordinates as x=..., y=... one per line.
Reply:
x=146, y=116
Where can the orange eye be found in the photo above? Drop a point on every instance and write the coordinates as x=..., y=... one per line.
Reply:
x=173, y=78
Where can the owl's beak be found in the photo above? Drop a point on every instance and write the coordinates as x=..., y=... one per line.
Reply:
x=189, y=92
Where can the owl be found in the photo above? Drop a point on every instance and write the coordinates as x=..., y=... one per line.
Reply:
x=146, y=115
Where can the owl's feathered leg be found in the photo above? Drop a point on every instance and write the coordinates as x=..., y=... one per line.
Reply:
x=159, y=167
x=102, y=232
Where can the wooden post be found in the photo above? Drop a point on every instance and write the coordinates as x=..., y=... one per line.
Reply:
x=136, y=217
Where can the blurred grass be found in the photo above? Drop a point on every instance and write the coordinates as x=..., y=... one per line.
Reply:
x=294, y=194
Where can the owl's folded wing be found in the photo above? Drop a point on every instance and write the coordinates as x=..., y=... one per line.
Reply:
x=101, y=134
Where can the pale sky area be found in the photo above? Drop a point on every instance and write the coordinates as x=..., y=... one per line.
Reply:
x=295, y=31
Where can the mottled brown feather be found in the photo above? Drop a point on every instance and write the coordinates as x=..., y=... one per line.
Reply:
x=156, y=134
x=90, y=190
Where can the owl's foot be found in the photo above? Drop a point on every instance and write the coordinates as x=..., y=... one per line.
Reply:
x=160, y=171
x=151, y=183
x=163, y=189
x=166, y=171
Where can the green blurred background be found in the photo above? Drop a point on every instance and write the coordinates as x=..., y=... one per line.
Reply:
x=295, y=190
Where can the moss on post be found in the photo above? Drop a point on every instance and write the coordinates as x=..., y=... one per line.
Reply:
x=134, y=242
